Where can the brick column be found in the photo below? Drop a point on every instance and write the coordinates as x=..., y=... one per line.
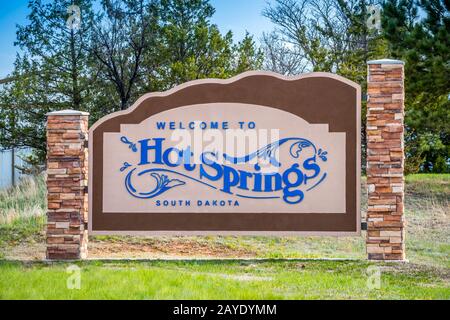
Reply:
x=385, y=160
x=67, y=164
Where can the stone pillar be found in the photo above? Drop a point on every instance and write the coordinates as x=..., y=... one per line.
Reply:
x=67, y=165
x=385, y=160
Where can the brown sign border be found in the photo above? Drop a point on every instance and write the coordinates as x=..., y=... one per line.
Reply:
x=206, y=91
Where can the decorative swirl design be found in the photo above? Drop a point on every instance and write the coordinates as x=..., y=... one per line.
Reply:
x=269, y=151
x=126, y=165
x=322, y=155
x=300, y=144
x=163, y=183
x=131, y=145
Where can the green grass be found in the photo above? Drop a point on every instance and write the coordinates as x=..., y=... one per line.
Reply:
x=441, y=177
x=220, y=280
x=427, y=276
x=436, y=185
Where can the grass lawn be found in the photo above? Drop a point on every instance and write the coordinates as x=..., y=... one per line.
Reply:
x=220, y=280
x=245, y=276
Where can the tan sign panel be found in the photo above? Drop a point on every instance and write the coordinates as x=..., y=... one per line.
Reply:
x=255, y=154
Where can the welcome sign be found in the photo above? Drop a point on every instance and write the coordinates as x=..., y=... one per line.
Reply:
x=256, y=154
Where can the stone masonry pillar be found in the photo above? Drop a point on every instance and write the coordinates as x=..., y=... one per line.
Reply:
x=385, y=160
x=67, y=165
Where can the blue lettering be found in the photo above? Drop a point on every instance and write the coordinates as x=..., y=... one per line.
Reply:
x=230, y=178
x=178, y=153
x=211, y=164
x=288, y=182
x=268, y=181
x=145, y=148
x=287, y=193
x=309, y=164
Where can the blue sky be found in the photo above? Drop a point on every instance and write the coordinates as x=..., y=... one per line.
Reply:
x=235, y=15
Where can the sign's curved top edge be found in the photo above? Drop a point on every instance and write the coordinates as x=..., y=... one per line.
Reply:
x=225, y=81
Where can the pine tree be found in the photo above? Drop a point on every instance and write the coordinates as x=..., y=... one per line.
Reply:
x=424, y=45
x=193, y=47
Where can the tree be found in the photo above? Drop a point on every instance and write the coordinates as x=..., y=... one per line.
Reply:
x=22, y=109
x=193, y=48
x=247, y=55
x=106, y=59
x=125, y=34
x=280, y=56
x=52, y=74
x=60, y=50
x=418, y=33
x=326, y=35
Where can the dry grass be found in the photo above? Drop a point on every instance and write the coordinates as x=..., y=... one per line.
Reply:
x=22, y=213
x=24, y=201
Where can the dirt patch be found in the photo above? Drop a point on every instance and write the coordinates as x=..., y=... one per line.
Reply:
x=161, y=249
x=25, y=251
x=135, y=248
